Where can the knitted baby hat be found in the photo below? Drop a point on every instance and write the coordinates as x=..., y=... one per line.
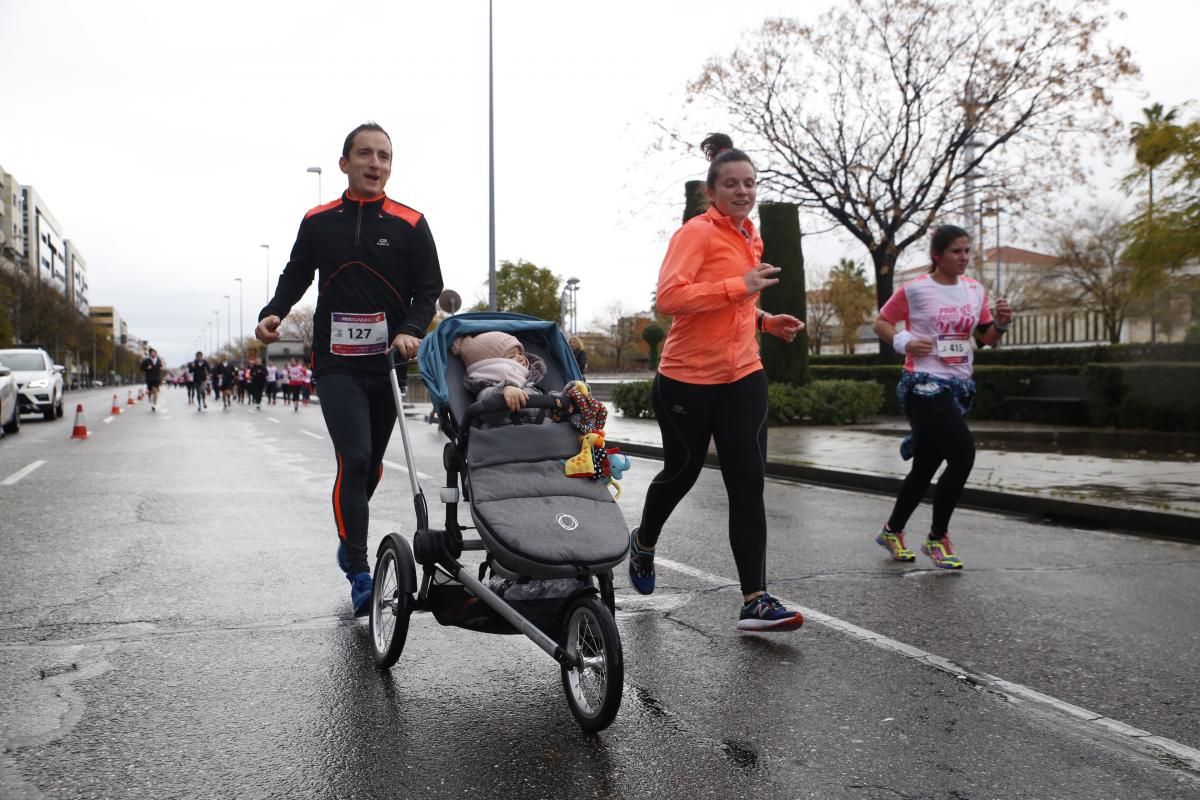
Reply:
x=492, y=344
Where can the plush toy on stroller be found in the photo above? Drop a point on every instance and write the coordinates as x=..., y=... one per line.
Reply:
x=549, y=541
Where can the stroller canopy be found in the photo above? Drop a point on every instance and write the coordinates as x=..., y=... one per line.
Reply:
x=435, y=348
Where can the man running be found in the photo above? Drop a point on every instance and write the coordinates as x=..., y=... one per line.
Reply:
x=199, y=370
x=152, y=366
x=379, y=281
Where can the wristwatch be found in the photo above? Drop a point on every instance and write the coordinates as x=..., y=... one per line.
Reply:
x=1001, y=328
x=761, y=321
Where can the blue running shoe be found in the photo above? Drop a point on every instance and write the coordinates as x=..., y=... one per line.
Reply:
x=344, y=560
x=360, y=593
x=765, y=613
x=641, y=566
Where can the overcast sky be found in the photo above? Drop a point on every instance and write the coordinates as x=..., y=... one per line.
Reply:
x=171, y=140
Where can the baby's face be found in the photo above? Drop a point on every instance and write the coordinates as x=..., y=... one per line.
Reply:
x=516, y=354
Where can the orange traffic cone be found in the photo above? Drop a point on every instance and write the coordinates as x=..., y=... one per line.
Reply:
x=80, y=431
x=140, y=395
x=131, y=401
x=116, y=409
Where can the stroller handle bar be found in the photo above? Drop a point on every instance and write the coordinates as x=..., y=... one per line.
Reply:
x=550, y=402
x=394, y=365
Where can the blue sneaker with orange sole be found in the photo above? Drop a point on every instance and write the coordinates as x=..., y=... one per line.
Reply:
x=764, y=614
x=361, y=586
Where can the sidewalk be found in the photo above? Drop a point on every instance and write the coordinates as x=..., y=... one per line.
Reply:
x=1156, y=496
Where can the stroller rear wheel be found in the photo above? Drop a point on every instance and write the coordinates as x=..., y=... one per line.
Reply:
x=390, y=610
x=594, y=688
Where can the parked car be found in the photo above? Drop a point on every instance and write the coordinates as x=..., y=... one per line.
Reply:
x=39, y=380
x=10, y=412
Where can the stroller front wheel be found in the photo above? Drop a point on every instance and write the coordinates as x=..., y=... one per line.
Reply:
x=390, y=610
x=593, y=688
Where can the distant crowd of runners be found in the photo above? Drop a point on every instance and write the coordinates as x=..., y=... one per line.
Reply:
x=247, y=382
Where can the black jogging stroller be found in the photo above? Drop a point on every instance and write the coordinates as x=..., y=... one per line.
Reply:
x=549, y=543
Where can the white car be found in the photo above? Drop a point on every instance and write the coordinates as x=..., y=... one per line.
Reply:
x=39, y=380
x=10, y=412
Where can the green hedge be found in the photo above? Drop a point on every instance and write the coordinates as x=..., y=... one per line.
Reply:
x=632, y=398
x=1159, y=396
x=833, y=402
x=1040, y=356
x=1163, y=397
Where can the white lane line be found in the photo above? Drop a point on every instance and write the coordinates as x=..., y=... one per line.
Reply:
x=274, y=420
x=1157, y=747
x=402, y=468
x=107, y=420
x=313, y=435
x=16, y=476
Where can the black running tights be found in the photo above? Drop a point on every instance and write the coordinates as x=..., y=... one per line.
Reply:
x=940, y=434
x=734, y=415
x=359, y=413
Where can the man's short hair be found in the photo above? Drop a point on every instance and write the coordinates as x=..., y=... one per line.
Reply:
x=366, y=126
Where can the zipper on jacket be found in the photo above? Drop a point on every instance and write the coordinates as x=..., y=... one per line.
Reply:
x=358, y=224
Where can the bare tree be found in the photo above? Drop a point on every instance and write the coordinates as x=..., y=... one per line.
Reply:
x=1092, y=274
x=299, y=325
x=883, y=115
x=819, y=314
x=620, y=329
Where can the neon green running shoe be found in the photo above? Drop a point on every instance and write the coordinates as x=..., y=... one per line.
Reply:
x=893, y=542
x=941, y=552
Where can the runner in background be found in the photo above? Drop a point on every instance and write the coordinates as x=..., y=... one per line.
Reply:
x=152, y=367
x=945, y=313
x=199, y=369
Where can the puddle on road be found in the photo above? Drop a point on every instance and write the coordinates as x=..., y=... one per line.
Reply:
x=1137, y=445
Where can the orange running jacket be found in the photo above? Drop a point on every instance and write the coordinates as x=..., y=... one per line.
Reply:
x=712, y=337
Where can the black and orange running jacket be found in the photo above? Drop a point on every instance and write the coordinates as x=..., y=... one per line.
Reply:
x=370, y=256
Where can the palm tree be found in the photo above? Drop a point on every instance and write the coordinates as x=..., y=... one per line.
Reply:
x=1153, y=141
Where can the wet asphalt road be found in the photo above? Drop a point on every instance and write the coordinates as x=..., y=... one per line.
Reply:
x=172, y=624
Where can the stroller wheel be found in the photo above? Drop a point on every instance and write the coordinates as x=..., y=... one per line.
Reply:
x=390, y=610
x=594, y=688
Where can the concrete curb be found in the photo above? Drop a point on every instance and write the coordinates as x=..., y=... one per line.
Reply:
x=1158, y=524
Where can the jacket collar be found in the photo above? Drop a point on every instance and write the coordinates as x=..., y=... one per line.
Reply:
x=717, y=218
x=363, y=201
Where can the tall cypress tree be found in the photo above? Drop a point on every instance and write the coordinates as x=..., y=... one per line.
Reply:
x=695, y=201
x=779, y=226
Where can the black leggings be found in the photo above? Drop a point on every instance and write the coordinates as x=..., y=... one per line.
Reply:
x=735, y=416
x=940, y=434
x=359, y=413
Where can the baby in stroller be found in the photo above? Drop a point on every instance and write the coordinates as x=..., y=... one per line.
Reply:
x=496, y=364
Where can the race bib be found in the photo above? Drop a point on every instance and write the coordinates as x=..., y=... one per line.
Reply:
x=358, y=334
x=953, y=348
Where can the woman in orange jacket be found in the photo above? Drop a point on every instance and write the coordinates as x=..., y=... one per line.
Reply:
x=711, y=384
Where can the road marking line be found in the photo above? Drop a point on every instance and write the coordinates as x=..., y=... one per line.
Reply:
x=402, y=468
x=313, y=435
x=274, y=420
x=16, y=476
x=107, y=420
x=1156, y=747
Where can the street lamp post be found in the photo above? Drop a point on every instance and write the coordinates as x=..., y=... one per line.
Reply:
x=318, y=171
x=573, y=288
x=267, y=247
x=491, y=177
x=217, y=329
x=228, y=320
x=991, y=211
x=241, y=330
